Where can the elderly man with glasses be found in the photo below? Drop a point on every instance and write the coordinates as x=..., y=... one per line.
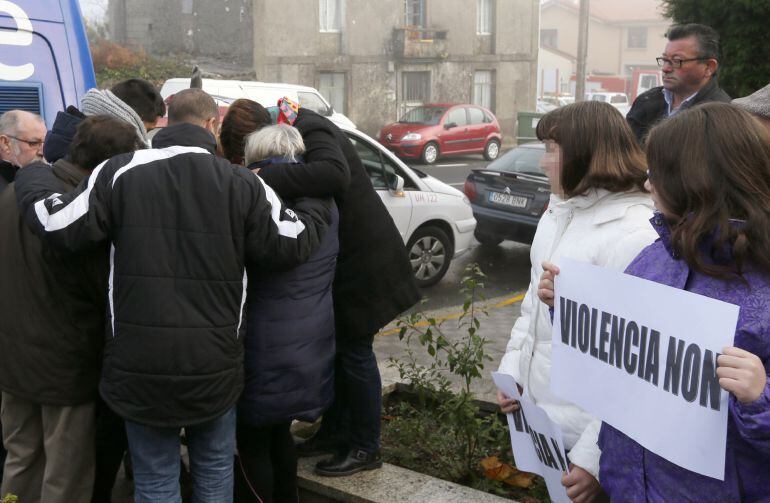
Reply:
x=21, y=142
x=689, y=64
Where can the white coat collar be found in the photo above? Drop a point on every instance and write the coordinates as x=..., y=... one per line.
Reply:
x=614, y=205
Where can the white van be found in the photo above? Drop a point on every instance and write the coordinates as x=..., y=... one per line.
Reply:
x=266, y=94
x=617, y=100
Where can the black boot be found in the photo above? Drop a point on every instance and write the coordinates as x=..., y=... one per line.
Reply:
x=348, y=463
x=316, y=445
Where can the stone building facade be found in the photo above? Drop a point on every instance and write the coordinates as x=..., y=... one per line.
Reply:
x=623, y=36
x=219, y=28
x=375, y=59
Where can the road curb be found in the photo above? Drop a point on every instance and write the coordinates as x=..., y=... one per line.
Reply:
x=454, y=312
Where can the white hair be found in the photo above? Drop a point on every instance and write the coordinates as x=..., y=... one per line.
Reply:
x=9, y=126
x=10, y=121
x=279, y=140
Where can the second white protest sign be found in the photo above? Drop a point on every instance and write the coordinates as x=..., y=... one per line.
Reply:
x=535, y=440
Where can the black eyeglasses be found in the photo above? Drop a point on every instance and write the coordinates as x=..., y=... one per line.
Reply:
x=31, y=143
x=676, y=62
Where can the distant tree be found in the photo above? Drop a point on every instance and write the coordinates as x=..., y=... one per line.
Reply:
x=744, y=65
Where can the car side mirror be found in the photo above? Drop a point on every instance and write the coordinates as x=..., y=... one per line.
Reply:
x=450, y=125
x=398, y=190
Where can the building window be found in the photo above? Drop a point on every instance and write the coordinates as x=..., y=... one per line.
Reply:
x=330, y=15
x=484, y=89
x=187, y=6
x=483, y=17
x=549, y=38
x=416, y=87
x=332, y=87
x=637, y=38
x=414, y=11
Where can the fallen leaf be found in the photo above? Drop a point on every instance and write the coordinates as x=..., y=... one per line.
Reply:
x=497, y=470
x=521, y=479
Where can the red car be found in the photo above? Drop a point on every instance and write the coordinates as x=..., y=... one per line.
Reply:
x=429, y=131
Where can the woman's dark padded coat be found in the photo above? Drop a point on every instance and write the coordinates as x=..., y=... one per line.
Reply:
x=374, y=281
x=289, y=360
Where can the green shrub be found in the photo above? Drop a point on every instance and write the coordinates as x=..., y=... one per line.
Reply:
x=443, y=432
x=114, y=62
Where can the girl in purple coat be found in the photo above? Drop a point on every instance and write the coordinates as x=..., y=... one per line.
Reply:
x=709, y=175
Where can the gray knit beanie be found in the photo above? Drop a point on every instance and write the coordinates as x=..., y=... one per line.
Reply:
x=104, y=102
x=757, y=103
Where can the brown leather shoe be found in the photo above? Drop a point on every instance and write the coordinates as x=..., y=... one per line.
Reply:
x=348, y=463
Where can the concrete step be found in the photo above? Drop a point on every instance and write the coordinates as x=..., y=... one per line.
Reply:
x=389, y=484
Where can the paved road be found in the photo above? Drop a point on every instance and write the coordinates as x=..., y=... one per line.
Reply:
x=506, y=266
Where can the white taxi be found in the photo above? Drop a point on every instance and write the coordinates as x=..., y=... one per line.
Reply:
x=435, y=220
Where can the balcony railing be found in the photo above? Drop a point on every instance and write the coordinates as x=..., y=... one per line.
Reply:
x=414, y=43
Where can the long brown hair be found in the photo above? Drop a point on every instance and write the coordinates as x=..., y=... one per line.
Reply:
x=598, y=148
x=710, y=167
x=243, y=117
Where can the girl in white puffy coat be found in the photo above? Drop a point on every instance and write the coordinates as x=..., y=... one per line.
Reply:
x=598, y=213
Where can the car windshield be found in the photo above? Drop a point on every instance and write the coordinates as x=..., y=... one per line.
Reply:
x=520, y=160
x=423, y=115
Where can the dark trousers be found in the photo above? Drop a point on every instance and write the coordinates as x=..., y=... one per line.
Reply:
x=2, y=450
x=354, y=417
x=111, y=445
x=266, y=466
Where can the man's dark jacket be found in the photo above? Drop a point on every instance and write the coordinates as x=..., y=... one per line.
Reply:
x=374, y=280
x=650, y=107
x=7, y=174
x=182, y=224
x=52, y=305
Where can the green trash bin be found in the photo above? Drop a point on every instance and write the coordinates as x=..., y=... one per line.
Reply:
x=526, y=122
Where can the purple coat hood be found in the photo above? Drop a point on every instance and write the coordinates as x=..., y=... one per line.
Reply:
x=630, y=473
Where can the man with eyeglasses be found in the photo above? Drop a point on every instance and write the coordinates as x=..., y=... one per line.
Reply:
x=21, y=141
x=689, y=65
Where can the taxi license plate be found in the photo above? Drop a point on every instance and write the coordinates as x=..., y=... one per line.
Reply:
x=508, y=199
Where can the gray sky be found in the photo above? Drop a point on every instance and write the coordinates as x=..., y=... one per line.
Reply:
x=94, y=10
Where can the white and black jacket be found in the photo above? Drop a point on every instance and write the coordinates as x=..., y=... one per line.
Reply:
x=182, y=224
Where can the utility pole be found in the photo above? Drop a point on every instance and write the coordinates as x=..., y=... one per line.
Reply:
x=582, y=52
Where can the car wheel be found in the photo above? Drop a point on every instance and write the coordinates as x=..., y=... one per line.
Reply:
x=487, y=239
x=429, y=251
x=429, y=153
x=491, y=150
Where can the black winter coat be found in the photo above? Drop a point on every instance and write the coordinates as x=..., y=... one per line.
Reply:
x=289, y=361
x=374, y=281
x=53, y=308
x=182, y=224
x=650, y=107
x=7, y=174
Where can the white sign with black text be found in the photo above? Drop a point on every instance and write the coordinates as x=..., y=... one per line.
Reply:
x=536, y=440
x=642, y=357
